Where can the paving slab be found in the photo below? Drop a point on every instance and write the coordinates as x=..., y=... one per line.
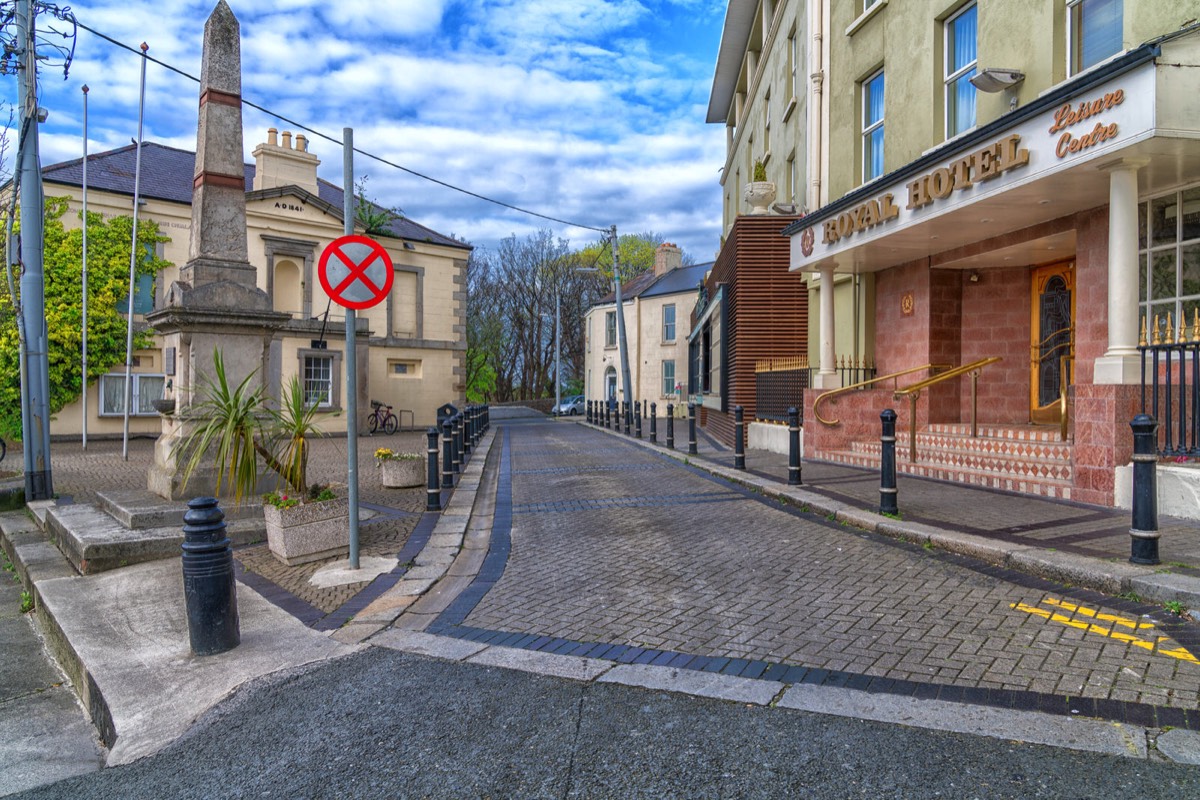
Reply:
x=559, y=666
x=1180, y=746
x=427, y=644
x=702, y=684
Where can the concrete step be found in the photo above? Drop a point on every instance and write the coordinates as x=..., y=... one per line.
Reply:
x=95, y=541
x=140, y=508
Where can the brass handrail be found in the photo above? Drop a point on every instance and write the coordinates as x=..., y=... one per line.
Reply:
x=1034, y=348
x=1066, y=362
x=868, y=382
x=914, y=393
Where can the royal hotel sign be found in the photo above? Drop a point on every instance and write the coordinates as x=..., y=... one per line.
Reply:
x=1095, y=123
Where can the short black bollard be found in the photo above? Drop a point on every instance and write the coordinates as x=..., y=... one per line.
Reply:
x=692, y=429
x=887, y=464
x=1144, y=532
x=628, y=415
x=433, y=492
x=739, y=437
x=448, y=454
x=468, y=431
x=670, y=426
x=793, y=446
x=456, y=441
x=637, y=420
x=653, y=423
x=588, y=406
x=208, y=584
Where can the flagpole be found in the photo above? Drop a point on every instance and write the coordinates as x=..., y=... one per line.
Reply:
x=137, y=177
x=84, y=328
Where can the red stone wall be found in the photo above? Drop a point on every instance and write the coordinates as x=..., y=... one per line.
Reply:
x=1103, y=438
x=1091, y=291
x=857, y=414
x=995, y=322
x=901, y=341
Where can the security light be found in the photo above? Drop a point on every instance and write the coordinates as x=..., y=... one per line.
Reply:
x=996, y=80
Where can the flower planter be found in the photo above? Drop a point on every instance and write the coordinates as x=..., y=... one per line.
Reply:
x=402, y=473
x=760, y=195
x=309, y=531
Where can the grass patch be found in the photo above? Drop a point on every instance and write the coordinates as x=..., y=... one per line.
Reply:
x=26, y=602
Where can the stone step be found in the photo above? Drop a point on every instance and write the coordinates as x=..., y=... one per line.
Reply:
x=1000, y=463
x=986, y=446
x=1043, y=486
x=94, y=541
x=139, y=509
x=1019, y=433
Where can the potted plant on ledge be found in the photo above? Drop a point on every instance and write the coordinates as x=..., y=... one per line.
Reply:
x=400, y=470
x=234, y=426
x=760, y=192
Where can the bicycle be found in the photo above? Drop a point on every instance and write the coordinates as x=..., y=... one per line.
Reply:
x=382, y=418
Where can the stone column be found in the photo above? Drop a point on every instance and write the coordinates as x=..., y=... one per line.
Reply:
x=1120, y=364
x=827, y=377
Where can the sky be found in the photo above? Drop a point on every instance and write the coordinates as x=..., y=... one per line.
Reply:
x=589, y=111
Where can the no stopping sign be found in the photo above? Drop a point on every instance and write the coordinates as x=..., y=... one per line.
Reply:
x=356, y=272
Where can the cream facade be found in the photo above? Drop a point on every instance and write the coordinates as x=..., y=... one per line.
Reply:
x=657, y=308
x=411, y=346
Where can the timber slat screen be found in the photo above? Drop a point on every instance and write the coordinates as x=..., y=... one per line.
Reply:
x=780, y=384
x=1174, y=370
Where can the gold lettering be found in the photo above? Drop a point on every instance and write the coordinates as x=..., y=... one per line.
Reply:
x=941, y=183
x=987, y=163
x=845, y=225
x=918, y=193
x=831, y=234
x=870, y=214
x=962, y=173
x=889, y=209
x=1011, y=155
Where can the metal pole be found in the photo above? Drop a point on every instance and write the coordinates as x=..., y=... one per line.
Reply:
x=653, y=423
x=133, y=257
x=692, y=429
x=433, y=493
x=622, y=344
x=637, y=420
x=793, y=446
x=351, y=351
x=84, y=309
x=670, y=426
x=447, y=453
x=739, y=438
x=1144, y=531
x=36, y=386
x=557, y=375
x=887, y=464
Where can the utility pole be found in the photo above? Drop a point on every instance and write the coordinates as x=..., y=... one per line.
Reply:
x=35, y=389
x=622, y=344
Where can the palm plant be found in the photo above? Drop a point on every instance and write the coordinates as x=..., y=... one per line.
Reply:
x=234, y=425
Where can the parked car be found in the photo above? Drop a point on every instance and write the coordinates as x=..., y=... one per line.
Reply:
x=570, y=406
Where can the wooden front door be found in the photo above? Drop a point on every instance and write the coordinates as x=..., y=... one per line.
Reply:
x=1052, y=346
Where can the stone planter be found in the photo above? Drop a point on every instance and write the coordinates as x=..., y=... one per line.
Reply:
x=164, y=405
x=760, y=195
x=402, y=473
x=309, y=531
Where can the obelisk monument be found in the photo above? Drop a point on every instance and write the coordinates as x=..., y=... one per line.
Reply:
x=216, y=303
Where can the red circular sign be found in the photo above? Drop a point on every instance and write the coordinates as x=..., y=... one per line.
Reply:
x=806, y=242
x=356, y=272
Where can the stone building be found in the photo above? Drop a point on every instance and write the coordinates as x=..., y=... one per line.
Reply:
x=416, y=343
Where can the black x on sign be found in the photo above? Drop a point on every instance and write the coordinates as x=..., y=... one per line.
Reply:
x=356, y=272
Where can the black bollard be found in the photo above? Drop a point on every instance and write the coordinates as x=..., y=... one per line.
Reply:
x=692, y=429
x=447, y=453
x=456, y=442
x=670, y=426
x=433, y=493
x=653, y=423
x=468, y=432
x=208, y=584
x=1144, y=532
x=637, y=420
x=793, y=447
x=887, y=464
x=739, y=437
x=588, y=406
x=628, y=416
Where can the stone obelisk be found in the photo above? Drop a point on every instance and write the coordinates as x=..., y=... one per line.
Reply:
x=216, y=303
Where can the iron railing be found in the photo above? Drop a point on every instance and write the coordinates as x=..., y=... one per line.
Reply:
x=780, y=383
x=1174, y=370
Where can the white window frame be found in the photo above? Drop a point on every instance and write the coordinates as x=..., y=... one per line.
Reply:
x=794, y=55
x=766, y=139
x=1075, y=10
x=671, y=337
x=1149, y=306
x=868, y=130
x=610, y=328
x=668, y=389
x=141, y=400
x=305, y=361
x=951, y=75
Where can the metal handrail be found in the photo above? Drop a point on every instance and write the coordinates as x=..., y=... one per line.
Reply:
x=866, y=383
x=1035, y=347
x=913, y=393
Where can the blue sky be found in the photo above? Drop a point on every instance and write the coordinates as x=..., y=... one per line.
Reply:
x=587, y=110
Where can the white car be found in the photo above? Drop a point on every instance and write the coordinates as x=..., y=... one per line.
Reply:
x=570, y=406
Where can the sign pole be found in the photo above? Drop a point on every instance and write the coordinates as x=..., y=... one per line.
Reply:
x=351, y=359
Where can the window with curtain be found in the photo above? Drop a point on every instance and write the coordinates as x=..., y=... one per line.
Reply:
x=872, y=133
x=610, y=329
x=1095, y=28
x=146, y=389
x=669, y=322
x=960, y=68
x=318, y=380
x=668, y=375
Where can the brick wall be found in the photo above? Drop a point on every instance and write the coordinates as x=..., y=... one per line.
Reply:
x=995, y=322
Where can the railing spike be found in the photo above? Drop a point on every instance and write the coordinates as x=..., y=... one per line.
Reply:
x=1170, y=337
x=1142, y=338
x=1154, y=337
x=1196, y=326
x=1181, y=337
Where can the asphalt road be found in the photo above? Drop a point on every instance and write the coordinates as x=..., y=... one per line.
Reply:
x=387, y=724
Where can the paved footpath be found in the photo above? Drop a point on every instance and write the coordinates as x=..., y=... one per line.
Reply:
x=605, y=549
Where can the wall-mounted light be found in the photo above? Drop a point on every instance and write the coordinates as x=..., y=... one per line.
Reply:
x=974, y=276
x=993, y=79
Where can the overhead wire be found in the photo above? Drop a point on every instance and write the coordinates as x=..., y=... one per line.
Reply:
x=339, y=143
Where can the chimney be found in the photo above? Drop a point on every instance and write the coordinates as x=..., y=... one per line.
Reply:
x=281, y=164
x=666, y=258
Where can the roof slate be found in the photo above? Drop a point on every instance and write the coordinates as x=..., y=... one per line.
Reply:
x=167, y=174
x=680, y=279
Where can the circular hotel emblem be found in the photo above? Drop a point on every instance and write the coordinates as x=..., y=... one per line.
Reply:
x=806, y=242
x=907, y=304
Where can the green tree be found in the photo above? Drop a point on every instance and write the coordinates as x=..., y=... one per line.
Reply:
x=374, y=218
x=108, y=286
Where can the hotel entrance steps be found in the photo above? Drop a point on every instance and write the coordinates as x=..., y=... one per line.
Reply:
x=1031, y=459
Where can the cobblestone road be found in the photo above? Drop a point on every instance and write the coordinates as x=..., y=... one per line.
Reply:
x=612, y=543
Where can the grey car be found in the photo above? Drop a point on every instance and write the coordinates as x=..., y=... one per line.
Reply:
x=570, y=406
